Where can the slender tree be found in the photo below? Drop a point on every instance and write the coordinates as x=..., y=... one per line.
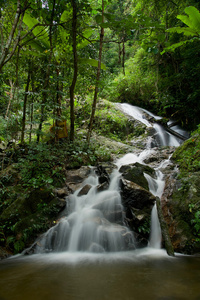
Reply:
x=97, y=78
x=46, y=81
x=25, y=102
x=73, y=84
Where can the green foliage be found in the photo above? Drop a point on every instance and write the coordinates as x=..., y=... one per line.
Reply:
x=188, y=158
x=145, y=227
x=196, y=223
x=41, y=166
x=110, y=123
x=138, y=85
x=193, y=29
x=188, y=155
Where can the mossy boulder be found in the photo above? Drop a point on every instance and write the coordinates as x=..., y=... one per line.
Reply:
x=30, y=214
x=180, y=203
x=135, y=173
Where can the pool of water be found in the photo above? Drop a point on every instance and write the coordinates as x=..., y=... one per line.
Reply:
x=135, y=275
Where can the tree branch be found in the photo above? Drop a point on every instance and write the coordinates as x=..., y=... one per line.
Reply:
x=10, y=38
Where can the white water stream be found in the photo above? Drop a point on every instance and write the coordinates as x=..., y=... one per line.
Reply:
x=74, y=270
x=95, y=222
x=156, y=186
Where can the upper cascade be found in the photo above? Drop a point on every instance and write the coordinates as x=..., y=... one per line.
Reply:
x=172, y=135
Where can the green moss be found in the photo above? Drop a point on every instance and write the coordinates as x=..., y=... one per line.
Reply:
x=188, y=154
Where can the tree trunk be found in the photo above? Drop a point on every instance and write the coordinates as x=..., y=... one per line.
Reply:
x=10, y=97
x=123, y=55
x=46, y=82
x=165, y=233
x=58, y=111
x=25, y=103
x=72, y=87
x=97, y=79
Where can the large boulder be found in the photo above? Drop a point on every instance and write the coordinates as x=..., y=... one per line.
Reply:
x=135, y=173
x=138, y=203
x=179, y=201
x=135, y=196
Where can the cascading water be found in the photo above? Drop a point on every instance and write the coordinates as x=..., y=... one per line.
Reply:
x=140, y=274
x=95, y=221
x=156, y=185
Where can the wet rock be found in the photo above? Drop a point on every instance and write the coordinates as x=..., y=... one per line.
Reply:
x=84, y=190
x=157, y=155
x=4, y=253
x=63, y=192
x=96, y=248
x=116, y=216
x=138, y=204
x=102, y=187
x=177, y=197
x=74, y=178
x=135, y=196
x=135, y=173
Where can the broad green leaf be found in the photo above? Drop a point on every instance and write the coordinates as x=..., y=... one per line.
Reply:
x=65, y=15
x=37, y=45
x=63, y=34
x=40, y=32
x=185, y=19
x=86, y=35
x=92, y=62
x=185, y=30
x=194, y=16
x=176, y=45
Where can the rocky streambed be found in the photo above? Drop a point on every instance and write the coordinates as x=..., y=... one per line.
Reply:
x=41, y=209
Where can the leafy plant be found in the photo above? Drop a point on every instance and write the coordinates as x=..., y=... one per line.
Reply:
x=192, y=20
x=196, y=224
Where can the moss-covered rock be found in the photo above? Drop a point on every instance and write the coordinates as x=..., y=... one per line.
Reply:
x=30, y=214
x=180, y=204
x=135, y=173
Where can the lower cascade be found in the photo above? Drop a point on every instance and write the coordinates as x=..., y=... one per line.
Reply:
x=94, y=219
x=95, y=222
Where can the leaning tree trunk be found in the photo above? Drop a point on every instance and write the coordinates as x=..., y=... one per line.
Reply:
x=97, y=79
x=165, y=233
x=72, y=87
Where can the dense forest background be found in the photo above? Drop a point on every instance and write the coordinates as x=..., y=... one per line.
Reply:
x=62, y=64
x=50, y=52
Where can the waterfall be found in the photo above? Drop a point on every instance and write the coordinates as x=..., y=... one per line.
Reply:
x=162, y=137
x=156, y=185
x=155, y=235
x=95, y=223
